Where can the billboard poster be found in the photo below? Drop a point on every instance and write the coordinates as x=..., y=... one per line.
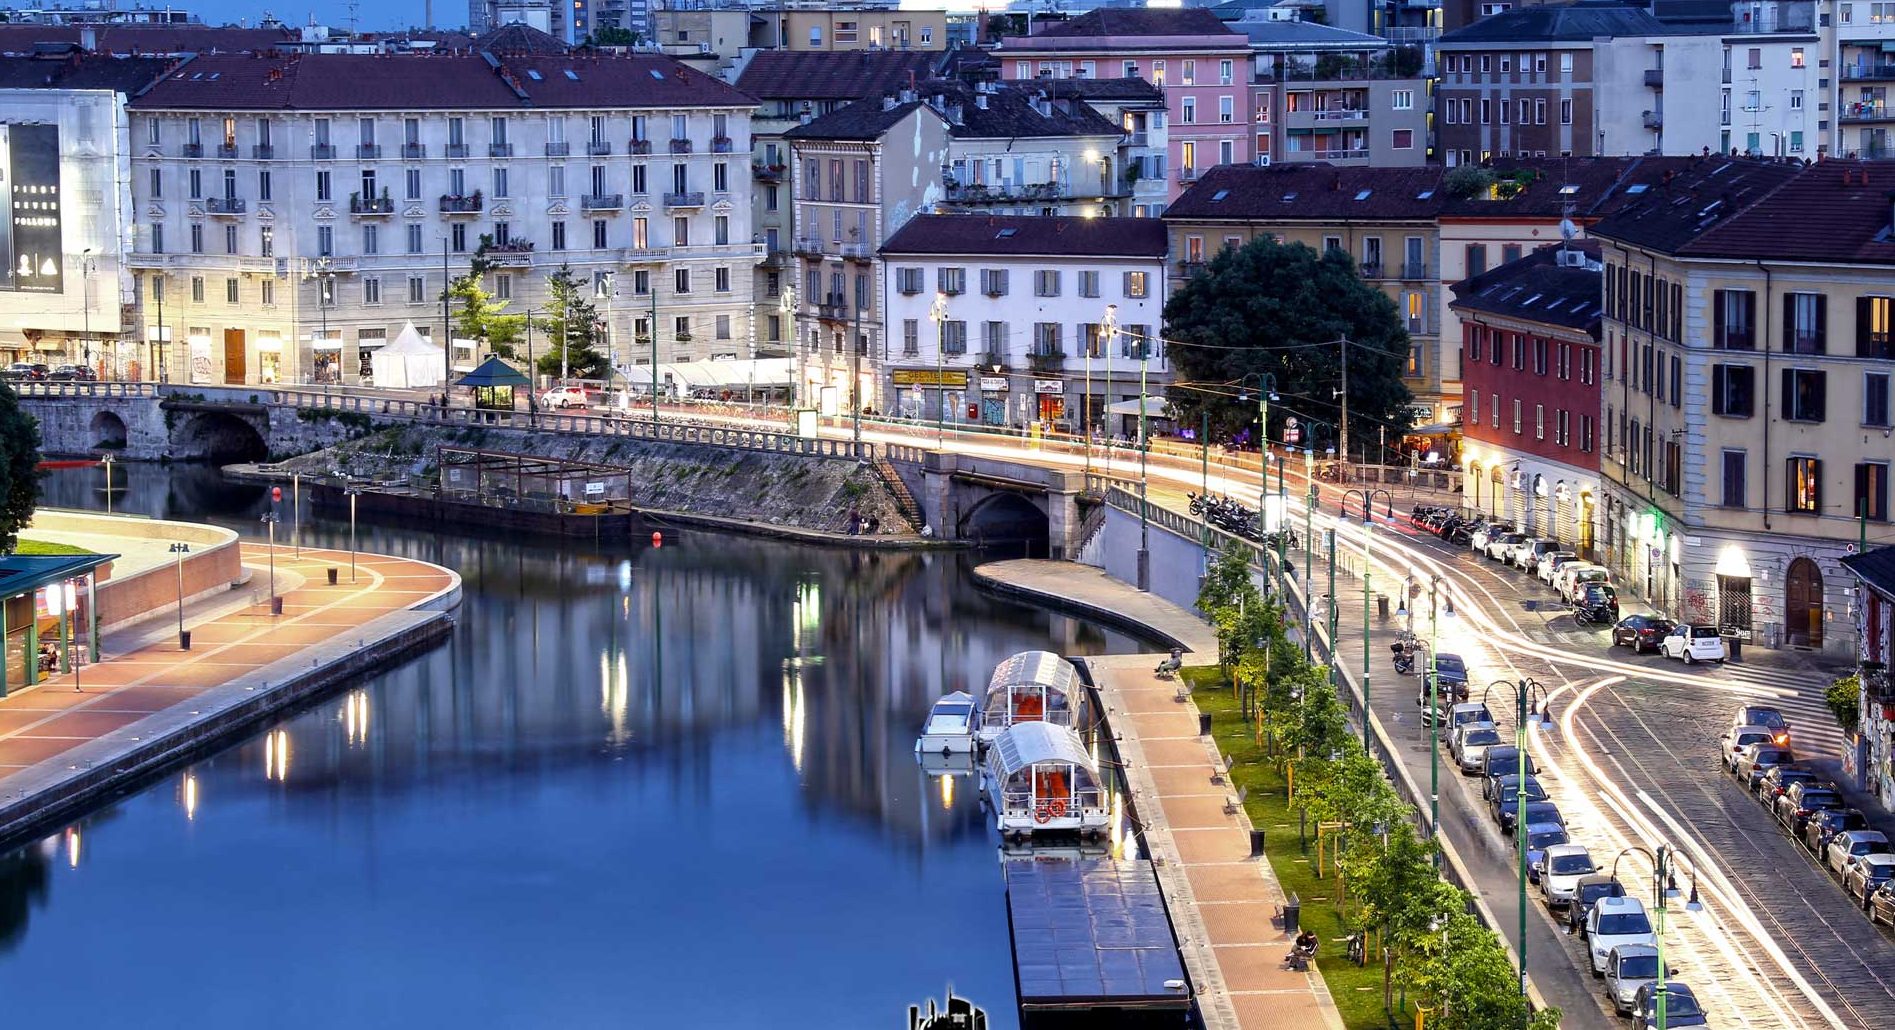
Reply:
x=30, y=240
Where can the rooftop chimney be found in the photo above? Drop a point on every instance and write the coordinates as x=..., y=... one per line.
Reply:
x=888, y=103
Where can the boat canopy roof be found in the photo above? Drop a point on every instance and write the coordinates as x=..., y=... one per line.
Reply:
x=1041, y=668
x=1028, y=743
x=958, y=697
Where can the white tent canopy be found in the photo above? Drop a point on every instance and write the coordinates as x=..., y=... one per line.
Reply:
x=409, y=362
x=1154, y=407
x=729, y=374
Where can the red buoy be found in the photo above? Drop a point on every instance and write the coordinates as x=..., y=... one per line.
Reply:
x=657, y=539
x=276, y=494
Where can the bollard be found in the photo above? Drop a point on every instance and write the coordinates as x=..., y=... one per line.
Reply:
x=1381, y=607
x=184, y=640
x=1256, y=843
x=276, y=606
x=1204, y=724
x=332, y=576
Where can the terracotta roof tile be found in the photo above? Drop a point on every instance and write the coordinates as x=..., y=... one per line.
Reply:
x=837, y=75
x=1676, y=211
x=1316, y=191
x=1538, y=288
x=1029, y=236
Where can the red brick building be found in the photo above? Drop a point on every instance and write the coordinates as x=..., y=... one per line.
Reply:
x=1530, y=369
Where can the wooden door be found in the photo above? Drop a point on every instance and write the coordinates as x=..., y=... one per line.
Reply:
x=233, y=356
x=1803, y=604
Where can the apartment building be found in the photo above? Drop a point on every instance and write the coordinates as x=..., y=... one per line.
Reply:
x=1530, y=437
x=1864, y=76
x=1321, y=93
x=858, y=174
x=295, y=212
x=1747, y=415
x=1138, y=108
x=1873, y=572
x=1018, y=150
x=1386, y=218
x=1593, y=77
x=1197, y=60
x=1005, y=319
x=791, y=89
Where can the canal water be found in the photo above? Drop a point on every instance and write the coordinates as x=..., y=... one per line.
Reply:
x=638, y=787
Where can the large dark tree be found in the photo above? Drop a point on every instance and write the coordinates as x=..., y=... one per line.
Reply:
x=19, y=468
x=1278, y=308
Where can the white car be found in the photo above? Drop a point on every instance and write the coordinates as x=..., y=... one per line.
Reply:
x=1487, y=533
x=1500, y=544
x=1571, y=579
x=1693, y=644
x=1613, y=923
x=1737, y=738
x=1560, y=870
x=1470, y=743
x=565, y=397
x=1629, y=967
x=1551, y=562
x=1527, y=557
x=1849, y=845
x=1512, y=552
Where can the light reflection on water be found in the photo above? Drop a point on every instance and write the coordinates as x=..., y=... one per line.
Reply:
x=637, y=787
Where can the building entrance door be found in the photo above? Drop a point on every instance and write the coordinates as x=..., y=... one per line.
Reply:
x=233, y=356
x=1803, y=604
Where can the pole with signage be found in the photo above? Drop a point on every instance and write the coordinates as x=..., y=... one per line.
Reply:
x=938, y=314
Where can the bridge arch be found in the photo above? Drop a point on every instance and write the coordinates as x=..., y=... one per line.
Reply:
x=1007, y=517
x=108, y=431
x=218, y=436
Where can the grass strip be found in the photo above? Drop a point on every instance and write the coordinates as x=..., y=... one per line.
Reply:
x=47, y=547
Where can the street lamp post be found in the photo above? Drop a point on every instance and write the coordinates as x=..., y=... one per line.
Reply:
x=352, y=492
x=85, y=272
x=180, y=549
x=1266, y=392
x=938, y=314
x=1368, y=526
x=269, y=522
x=1664, y=888
x=1108, y=333
x=1529, y=698
x=1309, y=545
x=796, y=353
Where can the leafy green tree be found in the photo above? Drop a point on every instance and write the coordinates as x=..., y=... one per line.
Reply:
x=1277, y=308
x=572, y=327
x=477, y=315
x=1844, y=698
x=19, y=468
x=1473, y=986
x=612, y=35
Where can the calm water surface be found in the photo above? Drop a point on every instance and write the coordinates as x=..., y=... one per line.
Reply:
x=637, y=788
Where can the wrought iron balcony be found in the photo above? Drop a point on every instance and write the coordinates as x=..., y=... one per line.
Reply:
x=322, y=151
x=1046, y=360
x=602, y=201
x=457, y=150
x=192, y=150
x=227, y=151
x=639, y=146
x=720, y=144
x=681, y=146
x=414, y=151
x=368, y=151
x=558, y=149
x=228, y=206
x=371, y=206
x=499, y=150
x=766, y=173
x=457, y=205
x=262, y=152
x=695, y=199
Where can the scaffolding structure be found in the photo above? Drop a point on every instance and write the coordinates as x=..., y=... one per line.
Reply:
x=501, y=479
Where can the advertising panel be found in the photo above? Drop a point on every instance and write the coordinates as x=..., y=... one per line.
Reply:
x=30, y=242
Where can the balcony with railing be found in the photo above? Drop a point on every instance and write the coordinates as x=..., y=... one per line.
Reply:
x=558, y=148
x=1864, y=72
x=454, y=204
x=1138, y=139
x=993, y=359
x=602, y=201
x=992, y=193
x=767, y=172
x=693, y=199
x=192, y=150
x=227, y=151
x=511, y=254
x=1414, y=270
x=228, y=207
x=414, y=151
x=639, y=146
x=368, y=151
x=1371, y=269
x=1046, y=359
x=721, y=144
x=499, y=150
x=646, y=255
x=833, y=308
x=857, y=252
x=457, y=150
x=778, y=259
x=1876, y=110
x=263, y=152
x=1187, y=176
x=371, y=207
x=1341, y=154
x=1653, y=120
x=681, y=146
x=1189, y=267
x=809, y=246
x=598, y=148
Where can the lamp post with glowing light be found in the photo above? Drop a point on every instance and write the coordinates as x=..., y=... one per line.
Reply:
x=788, y=308
x=1368, y=526
x=1435, y=613
x=1530, y=708
x=180, y=549
x=938, y=314
x=352, y=493
x=1664, y=889
x=1266, y=392
x=1109, y=332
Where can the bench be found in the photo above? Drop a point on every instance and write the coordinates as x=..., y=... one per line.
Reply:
x=1183, y=694
x=1234, y=805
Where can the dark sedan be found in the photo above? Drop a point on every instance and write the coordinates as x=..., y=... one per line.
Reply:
x=1795, y=806
x=1588, y=890
x=1505, y=804
x=1452, y=671
x=1826, y=824
x=1641, y=633
x=1501, y=761
x=1780, y=778
x=1882, y=904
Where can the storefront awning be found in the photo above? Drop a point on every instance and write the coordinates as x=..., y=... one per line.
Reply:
x=1154, y=407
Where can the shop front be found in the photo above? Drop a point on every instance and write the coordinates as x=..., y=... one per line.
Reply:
x=929, y=393
x=1049, y=401
x=993, y=400
x=48, y=615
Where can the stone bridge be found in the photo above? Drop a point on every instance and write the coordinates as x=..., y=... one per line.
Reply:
x=989, y=500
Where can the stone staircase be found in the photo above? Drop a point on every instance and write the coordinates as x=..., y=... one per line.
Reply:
x=904, y=501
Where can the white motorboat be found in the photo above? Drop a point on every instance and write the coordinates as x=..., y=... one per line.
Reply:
x=951, y=726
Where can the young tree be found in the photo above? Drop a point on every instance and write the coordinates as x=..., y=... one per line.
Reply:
x=572, y=327
x=1276, y=308
x=19, y=467
x=478, y=316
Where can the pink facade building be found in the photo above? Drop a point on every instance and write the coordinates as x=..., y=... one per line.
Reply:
x=1202, y=66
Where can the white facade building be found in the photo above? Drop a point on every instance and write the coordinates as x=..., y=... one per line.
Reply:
x=1003, y=319
x=295, y=212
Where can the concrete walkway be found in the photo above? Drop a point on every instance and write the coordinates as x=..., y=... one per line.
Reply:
x=1223, y=902
x=108, y=716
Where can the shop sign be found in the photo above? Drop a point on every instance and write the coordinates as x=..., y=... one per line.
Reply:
x=929, y=377
x=993, y=384
x=1048, y=386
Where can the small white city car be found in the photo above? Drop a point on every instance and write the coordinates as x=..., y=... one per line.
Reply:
x=1613, y=923
x=564, y=397
x=1560, y=870
x=1693, y=644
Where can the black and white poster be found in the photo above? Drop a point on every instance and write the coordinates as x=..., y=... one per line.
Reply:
x=29, y=233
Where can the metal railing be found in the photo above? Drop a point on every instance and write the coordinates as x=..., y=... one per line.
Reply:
x=225, y=205
x=371, y=205
x=262, y=151
x=602, y=201
x=457, y=150
x=637, y=146
x=454, y=205
x=499, y=150
x=558, y=148
x=368, y=150
x=414, y=151
x=322, y=151
x=681, y=146
x=227, y=151
x=693, y=199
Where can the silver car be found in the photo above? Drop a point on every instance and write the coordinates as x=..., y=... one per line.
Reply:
x=1470, y=743
x=1629, y=967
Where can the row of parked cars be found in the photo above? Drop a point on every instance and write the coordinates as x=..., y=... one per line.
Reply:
x=1621, y=944
x=33, y=371
x=1756, y=749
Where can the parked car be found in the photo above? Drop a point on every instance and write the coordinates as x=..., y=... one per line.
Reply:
x=1615, y=922
x=1641, y=633
x=1551, y=563
x=1627, y=968
x=1497, y=546
x=1561, y=869
x=1826, y=824
x=1882, y=904
x=1504, y=805
x=1849, y=845
x=1503, y=760
x=1528, y=558
x=1520, y=548
x=1693, y=644
x=1780, y=778
x=1866, y=875
x=1681, y=1007
x=1541, y=837
x=30, y=370
x=1543, y=812
x=1795, y=805
x=1736, y=739
x=1756, y=759
x=1572, y=578
x=565, y=397
x=1466, y=712
x=1586, y=892
x=1485, y=533
x=71, y=373
x=1767, y=717
x=1470, y=744
x=1452, y=671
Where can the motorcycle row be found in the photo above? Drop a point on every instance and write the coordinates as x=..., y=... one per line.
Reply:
x=1233, y=517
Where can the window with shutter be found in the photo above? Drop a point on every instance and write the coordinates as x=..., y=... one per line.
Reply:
x=1872, y=327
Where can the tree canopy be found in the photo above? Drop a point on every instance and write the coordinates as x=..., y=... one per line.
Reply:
x=572, y=327
x=1280, y=309
x=19, y=468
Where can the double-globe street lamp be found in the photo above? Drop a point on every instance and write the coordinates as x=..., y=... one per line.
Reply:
x=1664, y=888
x=1436, y=612
x=1368, y=524
x=1530, y=709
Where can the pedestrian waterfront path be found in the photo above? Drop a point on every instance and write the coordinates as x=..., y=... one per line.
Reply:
x=1223, y=902
x=108, y=715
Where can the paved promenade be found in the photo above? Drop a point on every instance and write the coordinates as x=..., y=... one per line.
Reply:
x=146, y=701
x=1223, y=902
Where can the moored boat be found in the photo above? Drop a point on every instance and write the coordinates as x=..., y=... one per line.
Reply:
x=951, y=726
